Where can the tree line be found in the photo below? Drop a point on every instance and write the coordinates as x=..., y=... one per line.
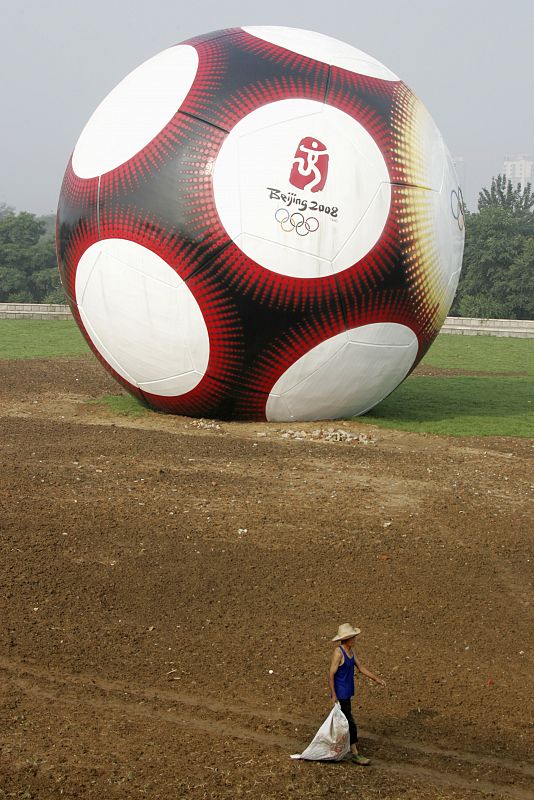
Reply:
x=497, y=277
x=28, y=267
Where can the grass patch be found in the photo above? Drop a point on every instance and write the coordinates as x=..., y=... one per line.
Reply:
x=35, y=338
x=448, y=405
x=466, y=405
x=481, y=354
x=123, y=404
x=460, y=406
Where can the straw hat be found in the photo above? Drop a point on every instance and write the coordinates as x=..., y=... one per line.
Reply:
x=345, y=631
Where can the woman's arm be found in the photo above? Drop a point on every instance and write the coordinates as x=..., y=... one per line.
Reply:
x=334, y=666
x=368, y=673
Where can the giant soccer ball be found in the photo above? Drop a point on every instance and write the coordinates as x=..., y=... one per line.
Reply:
x=260, y=223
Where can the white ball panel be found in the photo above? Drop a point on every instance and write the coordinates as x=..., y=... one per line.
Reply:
x=253, y=188
x=173, y=386
x=142, y=317
x=238, y=162
x=102, y=349
x=345, y=375
x=279, y=410
x=383, y=334
x=226, y=173
x=296, y=263
x=305, y=367
x=135, y=111
x=450, y=222
x=323, y=48
x=276, y=113
x=431, y=150
x=450, y=291
x=364, y=237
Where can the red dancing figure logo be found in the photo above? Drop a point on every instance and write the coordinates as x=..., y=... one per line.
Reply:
x=310, y=165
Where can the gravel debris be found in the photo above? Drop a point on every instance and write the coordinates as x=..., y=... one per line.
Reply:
x=329, y=435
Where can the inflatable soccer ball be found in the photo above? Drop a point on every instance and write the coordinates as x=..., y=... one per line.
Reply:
x=260, y=223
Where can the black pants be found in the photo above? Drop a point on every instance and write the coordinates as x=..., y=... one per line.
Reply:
x=347, y=710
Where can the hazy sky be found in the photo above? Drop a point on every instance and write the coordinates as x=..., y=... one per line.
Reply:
x=470, y=61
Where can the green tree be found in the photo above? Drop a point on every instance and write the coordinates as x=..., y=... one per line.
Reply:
x=6, y=210
x=502, y=194
x=498, y=270
x=28, y=271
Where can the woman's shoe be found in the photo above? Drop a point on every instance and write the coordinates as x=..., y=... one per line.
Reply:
x=361, y=760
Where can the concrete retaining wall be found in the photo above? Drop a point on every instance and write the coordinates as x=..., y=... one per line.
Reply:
x=518, y=328
x=34, y=311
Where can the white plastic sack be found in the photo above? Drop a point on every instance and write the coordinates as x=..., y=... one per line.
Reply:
x=331, y=742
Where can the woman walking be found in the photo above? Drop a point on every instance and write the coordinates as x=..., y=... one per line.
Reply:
x=341, y=681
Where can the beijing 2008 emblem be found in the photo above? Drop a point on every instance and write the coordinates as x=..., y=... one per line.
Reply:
x=310, y=165
x=309, y=171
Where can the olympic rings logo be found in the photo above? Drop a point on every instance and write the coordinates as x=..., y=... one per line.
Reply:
x=296, y=222
x=457, y=207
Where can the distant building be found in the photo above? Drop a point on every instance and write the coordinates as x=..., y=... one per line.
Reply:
x=519, y=169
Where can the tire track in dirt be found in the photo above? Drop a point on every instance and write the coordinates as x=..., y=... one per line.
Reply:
x=461, y=755
x=237, y=721
x=519, y=590
x=453, y=780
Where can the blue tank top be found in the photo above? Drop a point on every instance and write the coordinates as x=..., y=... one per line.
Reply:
x=344, y=678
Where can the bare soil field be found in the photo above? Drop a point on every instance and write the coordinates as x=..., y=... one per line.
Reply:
x=169, y=589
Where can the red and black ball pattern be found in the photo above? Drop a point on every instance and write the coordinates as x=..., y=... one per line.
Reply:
x=259, y=321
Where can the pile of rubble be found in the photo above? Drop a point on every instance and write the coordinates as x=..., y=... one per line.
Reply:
x=204, y=424
x=330, y=435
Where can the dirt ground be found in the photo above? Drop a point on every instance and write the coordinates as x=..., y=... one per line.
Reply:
x=169, y=590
